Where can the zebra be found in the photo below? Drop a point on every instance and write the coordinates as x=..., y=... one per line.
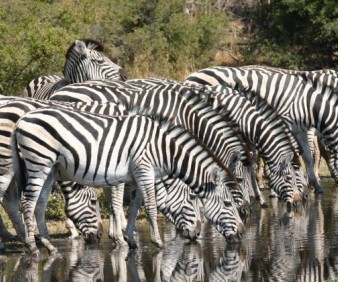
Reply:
x=255, y=129
x=224, y=140
x=85, y=60
x=63, y=152
x=184, y=215
x=283, y=137
x=325, y=78
x=187, y=107
x=10, y=112
x=300, y=104
x=43, y=86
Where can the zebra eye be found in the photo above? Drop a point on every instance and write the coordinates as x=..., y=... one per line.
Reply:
x=100, y=61
x=227, y=203
x=93, y=201
x=192, y=196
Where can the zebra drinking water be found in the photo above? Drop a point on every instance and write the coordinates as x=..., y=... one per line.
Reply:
x=300, y=104
x=184, y=213
x=95, y=150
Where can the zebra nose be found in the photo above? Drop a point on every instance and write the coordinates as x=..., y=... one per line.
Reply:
x=91, y=238
x=198, y=228
x=99, y=230
x=297, y=198
x=289, y=204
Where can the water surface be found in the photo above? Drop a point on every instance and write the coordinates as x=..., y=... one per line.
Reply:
x=278, y=245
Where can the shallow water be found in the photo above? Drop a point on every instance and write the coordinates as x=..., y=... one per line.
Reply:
x=278, y=245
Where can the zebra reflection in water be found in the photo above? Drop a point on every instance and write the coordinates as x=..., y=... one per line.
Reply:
x=27, y=269
x=84, y=263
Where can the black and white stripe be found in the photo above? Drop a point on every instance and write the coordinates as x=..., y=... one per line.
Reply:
x=188, y=107
x=85, y=60
x=95, y=150
x=300, y=104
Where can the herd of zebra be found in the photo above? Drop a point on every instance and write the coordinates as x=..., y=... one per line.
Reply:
x=177, y=144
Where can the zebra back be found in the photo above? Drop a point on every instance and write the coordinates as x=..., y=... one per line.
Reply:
x=174, y=157
x=185, y=107
x=43, y=86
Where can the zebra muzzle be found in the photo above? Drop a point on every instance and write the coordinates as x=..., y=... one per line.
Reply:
x=91, y=238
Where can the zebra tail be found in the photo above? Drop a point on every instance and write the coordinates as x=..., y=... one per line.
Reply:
x=19, y=166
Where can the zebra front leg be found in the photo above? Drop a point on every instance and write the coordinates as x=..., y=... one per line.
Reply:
x=72, y=229
x=257, y=190
x=302, y=139
x=314, y=147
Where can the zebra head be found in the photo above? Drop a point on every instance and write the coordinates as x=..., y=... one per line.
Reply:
x=85, y=61
x=283, y=181
x=82, y=207
x=220, y=207
x=182, y=207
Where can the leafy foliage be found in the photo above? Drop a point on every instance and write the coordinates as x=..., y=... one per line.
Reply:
x=297, y=33
x=147, y=37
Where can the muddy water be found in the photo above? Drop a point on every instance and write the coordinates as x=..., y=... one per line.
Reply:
x=278, y=245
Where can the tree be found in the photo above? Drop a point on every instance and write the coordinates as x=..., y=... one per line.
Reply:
x=297, y=33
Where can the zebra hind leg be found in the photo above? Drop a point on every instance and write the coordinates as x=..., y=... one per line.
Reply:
x=135, y=204
x=33, y=202
x=115, y=196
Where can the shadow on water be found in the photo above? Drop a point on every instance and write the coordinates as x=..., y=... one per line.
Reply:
x=301, y=245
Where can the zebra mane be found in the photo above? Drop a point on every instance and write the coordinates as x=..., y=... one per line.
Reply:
x=196, y=95
x=90, y=44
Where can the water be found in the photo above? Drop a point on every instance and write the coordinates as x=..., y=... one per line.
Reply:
x=278, y=245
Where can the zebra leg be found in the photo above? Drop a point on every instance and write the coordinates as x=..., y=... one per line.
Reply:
x=256, y=189
x=135, y=204
x=147, y=186
x=115, y=196
x=315, y=152
x=260, y=173
x=72, y=229
x=29, y=202
x=40, y=215
x=326, y=157
x=302, y=139
x=12, y=208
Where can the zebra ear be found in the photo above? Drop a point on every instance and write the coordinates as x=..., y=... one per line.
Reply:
x=215, y=175
x=235, y=158
x=192, y=195
x=287, y=160
x=81, y=48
